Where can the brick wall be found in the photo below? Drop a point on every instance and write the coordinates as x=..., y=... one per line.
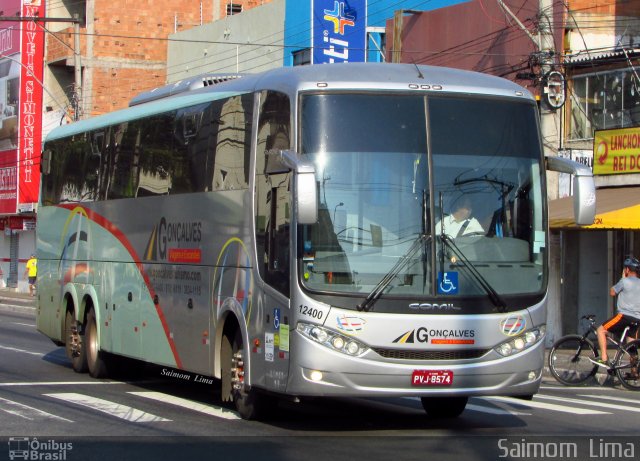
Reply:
x=148, y=22
x=129, y=50
x=114, y=87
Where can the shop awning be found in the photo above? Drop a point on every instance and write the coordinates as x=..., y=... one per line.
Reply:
x=616, y=208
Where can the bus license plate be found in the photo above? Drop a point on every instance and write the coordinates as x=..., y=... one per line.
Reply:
x=432, y=378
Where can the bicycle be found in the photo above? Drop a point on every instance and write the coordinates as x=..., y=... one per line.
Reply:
x=569, y=357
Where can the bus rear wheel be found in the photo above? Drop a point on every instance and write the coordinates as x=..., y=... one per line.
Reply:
x=75, y=343
x=96, y=360
x=444, y=407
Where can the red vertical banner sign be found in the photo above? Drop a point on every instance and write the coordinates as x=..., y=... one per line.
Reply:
x=9, y=105
x=31, y=90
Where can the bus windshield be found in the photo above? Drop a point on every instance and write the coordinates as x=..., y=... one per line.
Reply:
x=462, y=175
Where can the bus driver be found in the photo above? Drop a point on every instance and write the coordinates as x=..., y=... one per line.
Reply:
x=460, y=222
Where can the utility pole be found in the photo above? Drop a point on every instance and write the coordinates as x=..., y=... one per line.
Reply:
x=77, y=67
x=552, y=91
x=398, y=24
x=76, y=51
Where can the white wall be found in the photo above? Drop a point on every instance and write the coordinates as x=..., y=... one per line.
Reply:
x=248, y=42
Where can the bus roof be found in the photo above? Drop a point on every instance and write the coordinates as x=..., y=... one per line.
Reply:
x=382, y=76
x=291, y=80
x=132, y=113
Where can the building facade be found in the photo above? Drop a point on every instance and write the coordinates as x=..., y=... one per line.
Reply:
x=79, y=59
x=288, y=33
x=601, y=61
x=21, y=90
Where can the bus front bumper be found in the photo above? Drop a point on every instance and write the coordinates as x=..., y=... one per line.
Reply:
x=318, y=371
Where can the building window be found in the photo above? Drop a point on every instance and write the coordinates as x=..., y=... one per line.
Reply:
x=603, y=100
x=302, y=57
x=233, y=8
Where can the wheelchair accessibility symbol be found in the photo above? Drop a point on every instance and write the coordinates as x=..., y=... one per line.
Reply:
x=447, y=283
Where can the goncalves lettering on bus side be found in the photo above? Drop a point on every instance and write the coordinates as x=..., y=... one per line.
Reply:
x=177, y=232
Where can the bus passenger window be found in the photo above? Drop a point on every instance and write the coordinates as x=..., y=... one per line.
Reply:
x=233, y=144
x=124, y=179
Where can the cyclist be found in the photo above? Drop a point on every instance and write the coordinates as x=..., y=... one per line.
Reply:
x=628, y=308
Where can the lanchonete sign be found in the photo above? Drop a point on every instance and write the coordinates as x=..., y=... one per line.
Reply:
x=616, y=151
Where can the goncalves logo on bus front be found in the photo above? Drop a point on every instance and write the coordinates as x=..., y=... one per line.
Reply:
x=177, y=242
x=436, y=336
x=34, y=449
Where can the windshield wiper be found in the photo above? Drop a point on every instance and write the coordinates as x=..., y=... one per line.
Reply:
x=494, y=296
x=377, y=291
x=420, y=242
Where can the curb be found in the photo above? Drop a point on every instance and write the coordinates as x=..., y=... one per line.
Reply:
x=17, y=308
x=17, y=304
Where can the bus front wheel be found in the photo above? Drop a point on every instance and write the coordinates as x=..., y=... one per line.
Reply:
x=250, y=403
x=444, y=407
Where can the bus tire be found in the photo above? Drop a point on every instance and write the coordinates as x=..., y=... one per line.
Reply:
x=96, y=359
x=444, y=407
x=249, y=403
x=75, y=343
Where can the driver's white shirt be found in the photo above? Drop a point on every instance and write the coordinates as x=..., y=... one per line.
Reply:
x=452, y=227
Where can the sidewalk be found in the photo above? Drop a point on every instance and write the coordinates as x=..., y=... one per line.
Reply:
x=13, y=301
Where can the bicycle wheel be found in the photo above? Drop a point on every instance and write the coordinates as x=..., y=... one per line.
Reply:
x=569, y=360
x=627, y=365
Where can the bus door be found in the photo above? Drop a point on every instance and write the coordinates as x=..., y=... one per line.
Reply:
x=273, y=237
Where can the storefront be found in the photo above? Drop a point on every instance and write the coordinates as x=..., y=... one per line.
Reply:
x=591, y=257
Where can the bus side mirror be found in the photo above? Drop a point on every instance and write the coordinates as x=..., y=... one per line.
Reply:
x=584, y=189
x=307, y=197
x=306, y=192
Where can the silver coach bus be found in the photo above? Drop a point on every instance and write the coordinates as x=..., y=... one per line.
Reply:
x=286, y=233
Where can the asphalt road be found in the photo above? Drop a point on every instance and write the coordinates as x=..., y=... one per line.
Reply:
x=144, y=414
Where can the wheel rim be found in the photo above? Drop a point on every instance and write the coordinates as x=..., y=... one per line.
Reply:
x=72, y=339
x=569, y=361
x=92, y=349
x=627, y=367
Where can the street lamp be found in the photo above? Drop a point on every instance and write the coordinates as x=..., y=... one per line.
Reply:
x=334, y=211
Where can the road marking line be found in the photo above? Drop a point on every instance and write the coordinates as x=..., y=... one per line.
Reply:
x=494, y=411
x=58, y=383
x=14, y=349
x=561, y=387
x=111, y=408
x=211, y=410
x=547, y=406
x=609, y=397
x=610, y=406
x=27, y=412
x=18, y=323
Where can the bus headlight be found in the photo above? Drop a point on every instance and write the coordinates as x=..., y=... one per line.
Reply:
x=332, y=339
x=521, y=342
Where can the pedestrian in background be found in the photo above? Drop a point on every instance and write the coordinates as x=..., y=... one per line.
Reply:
x=31, y=271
